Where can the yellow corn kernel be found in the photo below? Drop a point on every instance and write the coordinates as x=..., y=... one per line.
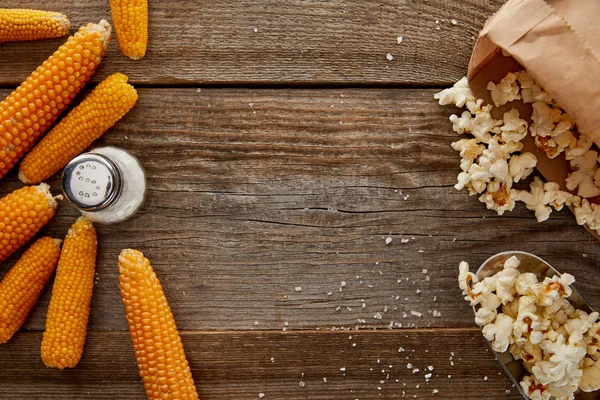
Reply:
x=34, y=106
x=158, y=349
x=69, y=309
x=107, y=104
x=130, y=18
x=23, y=284
x=22, y=24
x=22, y=214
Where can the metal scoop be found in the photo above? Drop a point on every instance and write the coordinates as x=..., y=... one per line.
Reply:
x=528, y=263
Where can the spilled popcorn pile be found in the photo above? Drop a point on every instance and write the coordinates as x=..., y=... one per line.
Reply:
x=559, y=345
x=492, y=159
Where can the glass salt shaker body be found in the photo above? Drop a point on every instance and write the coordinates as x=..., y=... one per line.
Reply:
x=108, y=184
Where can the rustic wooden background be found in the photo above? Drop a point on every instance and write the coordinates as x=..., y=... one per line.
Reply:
x=282, y=149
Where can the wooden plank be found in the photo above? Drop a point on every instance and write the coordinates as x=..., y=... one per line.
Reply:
x=240, y=365
x=295, y=42
x=256, y=192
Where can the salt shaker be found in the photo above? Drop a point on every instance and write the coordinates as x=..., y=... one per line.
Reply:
x=107, y=184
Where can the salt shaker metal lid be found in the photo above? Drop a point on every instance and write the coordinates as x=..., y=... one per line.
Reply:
x=91, y=181
x=107, y=184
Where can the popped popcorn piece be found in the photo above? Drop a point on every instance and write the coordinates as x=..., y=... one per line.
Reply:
x=505, y=91
x=551, y=129
x=534, y=199
x=469, y=150
x=588, y=213
x=590, y=378
x=578, y=325
x=582, y=178
x=530, y=90
x=562, y=365
x=557, y=198
x=514, y=128
x=554, y=288
x=499, y=332
x=480, y=123
x=584, y=143
x=465, y=280
x=525, y=282
x=458, y=95
x=521, y=166
x=534, y=389
x=488, y=310
x=499, y=197
x=505, y=280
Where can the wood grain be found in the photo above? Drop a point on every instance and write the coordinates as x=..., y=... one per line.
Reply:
x=240, y=365
x=298, y=42
x=256, y=192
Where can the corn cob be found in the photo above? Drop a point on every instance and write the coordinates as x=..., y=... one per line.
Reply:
x=107, y=104
x=28, y=111
x=130, y=18
x=22, y=214
x=23, y=284
x=21, y=24
x=69, y=309
x=158, y=349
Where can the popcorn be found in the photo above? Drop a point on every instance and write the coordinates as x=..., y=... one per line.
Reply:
x=505, y=91
x=521, y=166
x=562, y=367
x=558, y=198
x=534, y=389
x=458, y=95
x=535, y=201
x=514, y=128
x=469, y=150
x=582, y=178
x=488, y=310
x=590, y=379
x=535, y=322
x=465, y=280
x=584, y=143
x=524, y=283
x=505, y=280
x=551, y=129
x=530, y=91
x=479, y=123
x=499, y=332
x=491, y=160
x=499, y=197
x=588, y=214
x=579, y=324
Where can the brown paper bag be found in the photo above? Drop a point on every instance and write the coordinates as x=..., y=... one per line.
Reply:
x=558, y=43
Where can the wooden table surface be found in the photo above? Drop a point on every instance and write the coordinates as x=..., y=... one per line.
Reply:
x=282, y=148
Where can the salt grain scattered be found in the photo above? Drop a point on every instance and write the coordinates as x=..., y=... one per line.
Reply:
x=298, y=288
x=424, y=271
x=302, y=384
x=389, y=56
x=453, y=21
x=416, y=314
x=261, y=395
x=400, y=39
x=388, y=240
